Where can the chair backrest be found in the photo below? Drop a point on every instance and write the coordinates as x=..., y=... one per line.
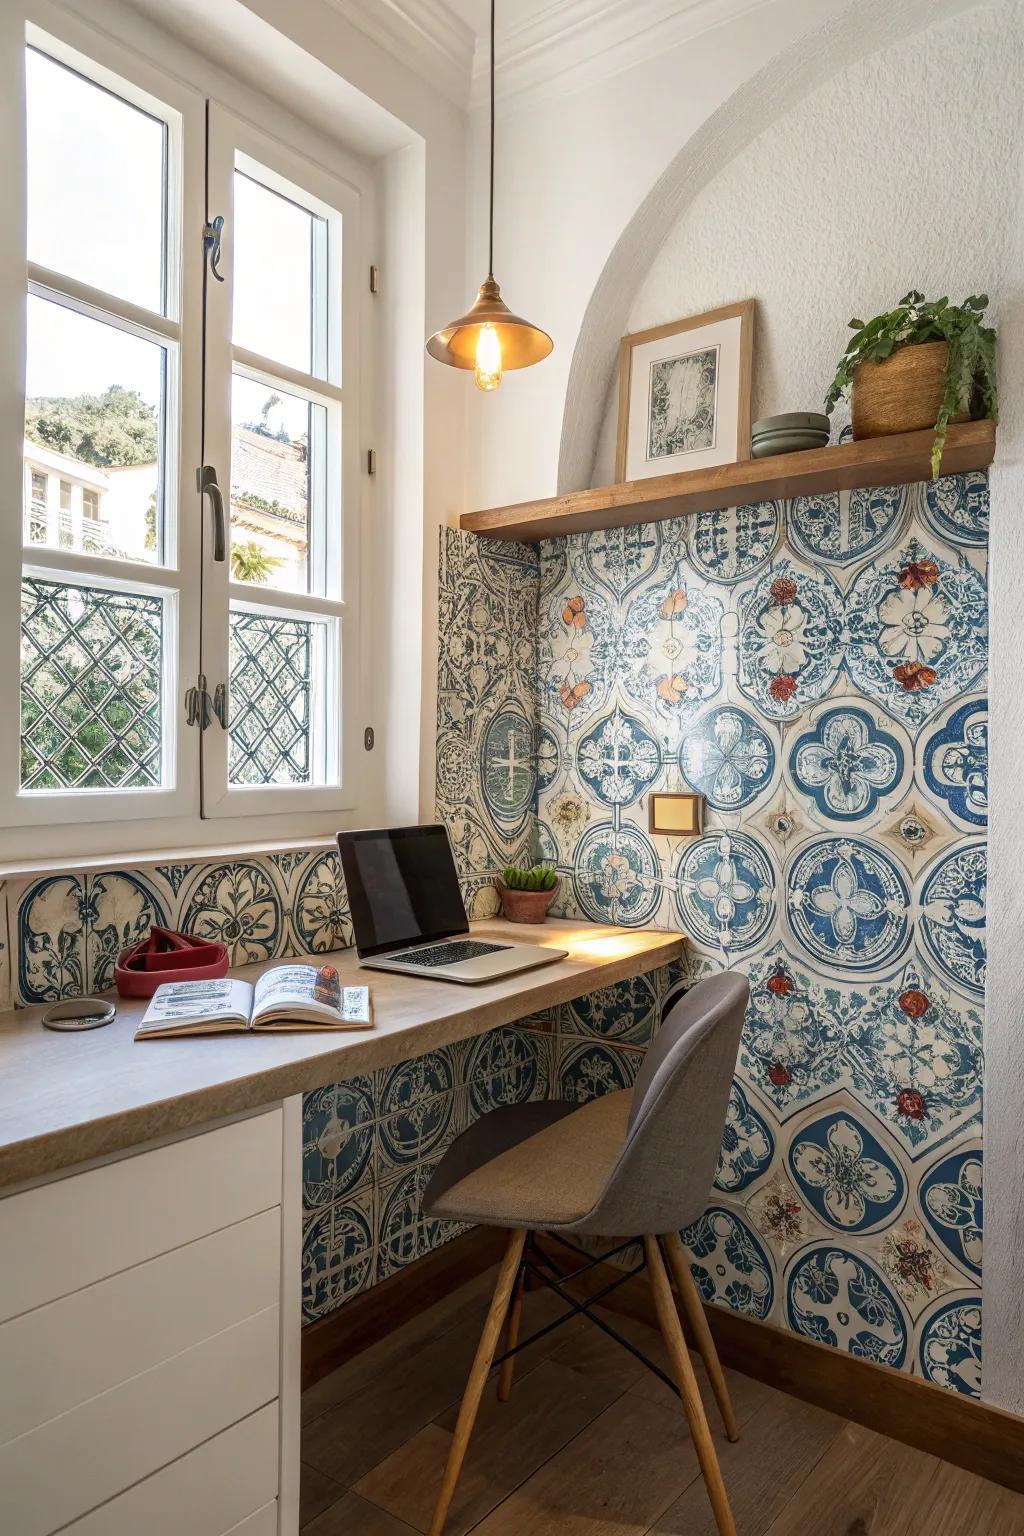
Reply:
x=665, y=1170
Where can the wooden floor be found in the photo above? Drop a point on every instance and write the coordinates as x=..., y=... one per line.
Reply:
x=591, y=1444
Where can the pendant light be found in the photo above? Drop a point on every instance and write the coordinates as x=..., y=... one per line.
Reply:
x=489, y=338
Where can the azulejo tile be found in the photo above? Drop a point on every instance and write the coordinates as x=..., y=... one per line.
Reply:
x=621, y=559
x=625, y=1012
x=748, y=1145
x=507, y=1066
x=729, y=1262
x=915, y=1269
x=337, y=1254
x=790, y=639
x=507, y=767
x=549, y=759
x=838, y=1297
x=668, y=652
x=406, y=1232
x=956, y=763
x=617, y=758
x=779, y=1215
x=956, y=508
x=848, y=904
x=51, y=939
x=952, y=1203
x=845, y=1173
x=730, y=546
x=918, y=629
x=617, y=875
x=589, y=1069
x=725, y=891
x=848, y=762
x=915, y=1057
x=424, y=1128
x=949, y=1347
x=728, y=757
x=320, y=910
x=791, y=1047
x=914, y=831
x=239, y=905
x=337, y=1140
x=841, y=527
x=576, y=641
x=952, y=925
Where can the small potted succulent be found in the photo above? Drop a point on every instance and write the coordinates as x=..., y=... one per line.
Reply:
x=526, y=893
x=918, y=366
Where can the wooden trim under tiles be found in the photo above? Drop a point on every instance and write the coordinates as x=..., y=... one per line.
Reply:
x=972, y=1435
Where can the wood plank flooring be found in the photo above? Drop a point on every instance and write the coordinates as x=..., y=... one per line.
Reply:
x=591, y=1444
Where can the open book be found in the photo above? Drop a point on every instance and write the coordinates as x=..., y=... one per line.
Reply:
x=286, y=998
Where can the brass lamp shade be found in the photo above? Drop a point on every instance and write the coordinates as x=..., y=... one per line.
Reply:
x=521, y=342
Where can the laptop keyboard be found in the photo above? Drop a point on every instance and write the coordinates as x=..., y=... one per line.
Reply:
x=451, y=953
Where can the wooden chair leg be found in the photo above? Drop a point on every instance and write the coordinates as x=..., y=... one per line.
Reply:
x=672, y=1333
x=479, y=1370
x=692, y=1305
x=515, y=1313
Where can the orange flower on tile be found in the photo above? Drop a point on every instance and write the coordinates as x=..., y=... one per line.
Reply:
x=571, y=694
x=918, y=574
x=914, y=675
x=574, y=613
x=676, y=603
x=782, y=688
x=783, y=589
x=914, y=1002
x=673, y=689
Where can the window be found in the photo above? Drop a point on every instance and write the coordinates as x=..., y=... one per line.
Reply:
x=188, y=571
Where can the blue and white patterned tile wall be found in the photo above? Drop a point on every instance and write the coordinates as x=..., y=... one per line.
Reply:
x=817, y=670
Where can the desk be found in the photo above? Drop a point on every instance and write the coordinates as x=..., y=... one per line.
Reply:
x=150, y=1242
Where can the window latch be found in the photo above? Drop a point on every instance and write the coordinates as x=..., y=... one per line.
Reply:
x=198, y=710
x=211, y=245
x=220, y=704
x=206, y=483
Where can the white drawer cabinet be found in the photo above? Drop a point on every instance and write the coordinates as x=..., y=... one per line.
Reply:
x=149, y=1339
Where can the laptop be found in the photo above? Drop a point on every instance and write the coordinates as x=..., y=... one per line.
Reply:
x=408, y=914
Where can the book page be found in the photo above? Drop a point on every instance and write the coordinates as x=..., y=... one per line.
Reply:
x=198, y=1002
x=299, y=991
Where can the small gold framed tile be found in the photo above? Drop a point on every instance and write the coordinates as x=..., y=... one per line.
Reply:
x=675, y=813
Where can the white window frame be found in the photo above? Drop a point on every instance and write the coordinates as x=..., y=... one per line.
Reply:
x=102, y=61
x=233, y=142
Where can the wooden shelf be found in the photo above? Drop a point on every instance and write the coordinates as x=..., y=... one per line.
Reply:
x=876, y=461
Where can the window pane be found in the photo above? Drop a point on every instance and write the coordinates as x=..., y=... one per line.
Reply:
x=280, y=254
x=94, y=422
x=278, y=470
x=91, y=687
x=96, y=184
x=278, y=699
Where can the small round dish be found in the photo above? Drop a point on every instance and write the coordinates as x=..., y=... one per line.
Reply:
x=76, y=1013
x=790, y=421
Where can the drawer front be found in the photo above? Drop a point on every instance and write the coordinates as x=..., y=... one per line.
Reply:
x=74, y=1349
x=63, y=1236
x=228, y=1484
x=70, y=1465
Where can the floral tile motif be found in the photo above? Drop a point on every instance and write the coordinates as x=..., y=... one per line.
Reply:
x=507, y=1066
x=51, y=939
x=588, y=1069
x=626, y=1012
x=953, y=917
x=405, y=1231
x=748, y=1145
x=956, y=763
x=617, y=876
x=914, y=1267
x=620, y=559
x=953, y=1207
x=731, y=546
x=949, y=1348
x=791, y=1049
x=239, y=905
x=914, y=832
x=956, y=508
x=415, y=1116
x=729, y=1262
x=725, y=891
x=790, y=639
x=618, y=759
x=848, y=904
x=320, y=911
x=728, y=758
x=669, y=651
x=337, y=1140
x=845, y=1174
x=847, y=763
x=838, y=1297
x=337, y=1254
x=779, y=1215
x=840, y=527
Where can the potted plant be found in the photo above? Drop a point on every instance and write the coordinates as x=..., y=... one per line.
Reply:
x=917, y=366
x=526, y=893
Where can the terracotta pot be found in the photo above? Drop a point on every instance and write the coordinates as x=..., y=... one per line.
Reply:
x=525, y=906
x=901, y=394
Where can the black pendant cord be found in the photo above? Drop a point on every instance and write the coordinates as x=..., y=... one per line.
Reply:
x=490, y=243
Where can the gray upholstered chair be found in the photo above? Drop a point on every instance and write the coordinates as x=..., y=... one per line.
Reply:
x=638, y=1163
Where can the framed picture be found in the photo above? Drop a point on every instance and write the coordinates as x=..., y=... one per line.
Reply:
x=684, y=394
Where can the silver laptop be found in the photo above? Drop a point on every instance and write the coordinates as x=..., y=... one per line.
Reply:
x=407, y=910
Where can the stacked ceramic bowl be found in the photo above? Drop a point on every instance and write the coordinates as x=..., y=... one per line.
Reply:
x=791, y=432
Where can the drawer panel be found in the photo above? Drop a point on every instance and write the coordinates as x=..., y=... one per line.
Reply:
x=65, y=1468
x=73, y=1349
x=228, y=1484
x=62, y=1236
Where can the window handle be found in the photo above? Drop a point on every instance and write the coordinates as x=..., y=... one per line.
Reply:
x=220, y=704
x=207, y=482
x=211, y=245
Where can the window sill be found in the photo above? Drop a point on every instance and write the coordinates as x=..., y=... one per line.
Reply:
x=26, y=869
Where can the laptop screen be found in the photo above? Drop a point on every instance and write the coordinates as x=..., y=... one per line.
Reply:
x=402, y=887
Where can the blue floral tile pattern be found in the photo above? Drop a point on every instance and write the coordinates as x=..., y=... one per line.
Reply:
x=845, y=1174
x=337, y=1256
x=847, y=763
x=321, y=912
x=840, y=527
x=791, y=1050
x=953, y=917
x=337, y=1140
x=747, y=1145
x=838, y=1297
x=585, y=1071
x=728, y=757
x=626, y=1012
x=956, y=508
x=239, y=905
x=950, y=1347
x=618, y=759
x=790, y=640
x=953, y=1207
x=956, y=763
x=725, y=890
x=617, y=875
x=730, y=546
x=729, y=1262
x=848, y=904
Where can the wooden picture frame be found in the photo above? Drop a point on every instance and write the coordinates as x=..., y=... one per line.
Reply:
x=713, y=372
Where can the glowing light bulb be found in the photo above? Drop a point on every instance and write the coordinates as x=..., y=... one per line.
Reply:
x=488, y=358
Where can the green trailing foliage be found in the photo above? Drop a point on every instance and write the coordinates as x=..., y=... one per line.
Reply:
x=970, y=368
x=540, y=878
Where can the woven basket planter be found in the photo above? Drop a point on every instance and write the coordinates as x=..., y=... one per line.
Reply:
x=901, y=394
